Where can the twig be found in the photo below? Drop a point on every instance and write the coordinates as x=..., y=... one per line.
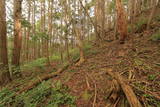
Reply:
x=148, y=92
x=115, y=105
x=95, y=90
x=88, y=85
x=95, y=96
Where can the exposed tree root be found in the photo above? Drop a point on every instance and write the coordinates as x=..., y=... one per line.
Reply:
x=131, y=97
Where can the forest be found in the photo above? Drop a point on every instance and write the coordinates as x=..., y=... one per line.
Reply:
x=79, y=53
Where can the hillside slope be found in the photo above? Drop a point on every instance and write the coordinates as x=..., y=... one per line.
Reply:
x=88, y=85
x=137, y=60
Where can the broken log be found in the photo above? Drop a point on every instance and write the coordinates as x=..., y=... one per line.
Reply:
x=45, y=77
x=130, y=95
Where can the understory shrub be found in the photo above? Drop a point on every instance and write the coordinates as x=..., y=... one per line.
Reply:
x=155, y=36
x=45, y=94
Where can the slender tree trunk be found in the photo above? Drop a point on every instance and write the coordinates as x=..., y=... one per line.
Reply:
x=80, y=45
x=17, y=36
x=66, y=10
x=49, y=32
x=23, y=52
x=61, y=43
x=34, y=29
x=44, y=47
x=28, y=31
x=115, y=29
x=4, y=70
x=100, y=18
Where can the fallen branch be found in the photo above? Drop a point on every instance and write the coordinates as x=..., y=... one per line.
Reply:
x=40, y=79
x=131, y=97
x=114, y=94
x=45, y=77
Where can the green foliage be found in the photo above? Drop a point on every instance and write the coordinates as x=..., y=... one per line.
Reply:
x=57, y=15
x=29, y=99
x=152, y=77
x=52, y=96
x=155, y=36
x=25, y=23
x=112, y=5
x=141, y=65
x=140, y=24
x=40, y=35
x=139, y=85
x=55, y=57
x=74, y=53
x=9, y=26
x=40, y=63
x=94, y=66
x=36, y=63
x=138, y=62
x=87, y=49
x=158, y=18
x=5, y=97
x=86, y=95
x=59, y=96
x=130, y=28
x=15, y=70
x=35, y=96
x=72, y=70
x=151, y=101
x=90, y=4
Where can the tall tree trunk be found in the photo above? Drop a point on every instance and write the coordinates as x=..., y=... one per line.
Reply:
x=121, y=21
x=28, y=30
x=44, y=47
x=61, y=43
x=100, y=18
x=49, y=32
x=66, y=11
x=17, y=37
x=78, y=33
x=4, y=71
x=34, y=28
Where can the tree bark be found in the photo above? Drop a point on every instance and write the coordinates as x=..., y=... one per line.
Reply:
x=100, y=18
x=17, y=36
x=4, y=70
x=78, y=34
x=28, y=31
x=152, y=14
x=121, y=21
x=131, y=97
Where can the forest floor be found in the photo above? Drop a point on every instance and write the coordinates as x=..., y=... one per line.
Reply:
x=138, y=61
